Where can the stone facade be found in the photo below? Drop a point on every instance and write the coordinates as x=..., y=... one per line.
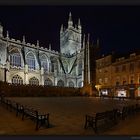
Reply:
x=120, y=73
x=25, y=63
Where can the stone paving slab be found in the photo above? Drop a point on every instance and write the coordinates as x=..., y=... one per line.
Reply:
x=67, y=117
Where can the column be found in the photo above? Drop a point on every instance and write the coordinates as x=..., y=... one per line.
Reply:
x=88, y=60
x=55, y=81
x=42, y=76
x=26, y=74
x=7, y=72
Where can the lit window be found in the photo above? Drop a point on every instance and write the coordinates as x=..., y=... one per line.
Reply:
x=48, y=82
x=80, y=84
x=100, y=81
x=71, y=84
x=17, y=80
x=53, y=65
x=44, y=63
x=60, y=83
x=34, y=81
x=106, y=80
x=30, y=61
x=15, y=59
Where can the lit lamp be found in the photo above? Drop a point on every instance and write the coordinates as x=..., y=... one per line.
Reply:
x=98, y=86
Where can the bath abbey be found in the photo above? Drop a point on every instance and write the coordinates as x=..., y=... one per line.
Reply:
x=77, y=65
x=26, y=63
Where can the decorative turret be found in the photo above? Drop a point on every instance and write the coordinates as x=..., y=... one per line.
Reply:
x=88, y=38
x=1, y=30
x=7, y=34
x=84, y=41
x=23, y=40
x=62, y=29
x=37, y=43
x=79, y=24
x=70, y=22
x=49, y=46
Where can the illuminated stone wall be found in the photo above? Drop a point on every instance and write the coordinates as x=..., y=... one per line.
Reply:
x=122, y=71
x=47, y=66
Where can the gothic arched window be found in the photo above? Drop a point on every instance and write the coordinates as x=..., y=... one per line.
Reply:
x=44, y=62
x=60, y=83
x=71, y=84
x=80, y=84
x=48, y=82
x=34, y=81
x=17, y=80
x=15, y=58
x=53, y=65
x=30, y=61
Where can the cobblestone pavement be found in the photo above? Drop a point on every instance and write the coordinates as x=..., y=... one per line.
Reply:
x=67, y=116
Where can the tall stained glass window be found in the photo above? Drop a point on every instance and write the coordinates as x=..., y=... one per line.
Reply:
x=30, y=61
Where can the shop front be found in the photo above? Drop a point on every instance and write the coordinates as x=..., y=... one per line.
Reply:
x=121, y=91
x=105, y=92
x=128, y=91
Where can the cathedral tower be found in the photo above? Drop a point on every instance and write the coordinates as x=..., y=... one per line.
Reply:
x=70, y=38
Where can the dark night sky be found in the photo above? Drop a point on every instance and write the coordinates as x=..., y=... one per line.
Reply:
x=118, y=27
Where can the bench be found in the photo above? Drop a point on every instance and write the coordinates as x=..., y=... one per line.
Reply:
x=6, y=102
x=93, y=121
x=40, y=119
x=13, y=106
x=102, y=118
x=19, y=109
x=123, y=112
x=112, y=116
x=24, y=111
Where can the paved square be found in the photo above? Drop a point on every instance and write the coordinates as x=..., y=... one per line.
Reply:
x=67, y=116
